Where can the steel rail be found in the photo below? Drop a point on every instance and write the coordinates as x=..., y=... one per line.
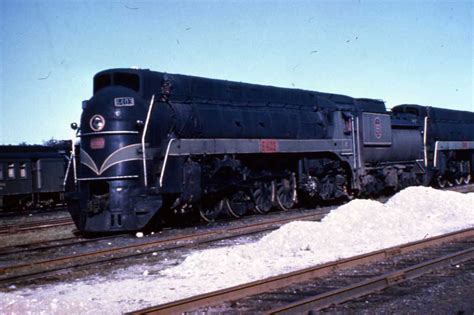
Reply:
x=23, y=271
x=461, y=188
x=13, y=228
x=7, y=213
x=21, y=227
x=373, y=285
x=298, y=276
x=50, y=244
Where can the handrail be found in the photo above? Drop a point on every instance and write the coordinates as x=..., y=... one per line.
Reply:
x=354, y=143
x=74, y=162
x=425, y=141
x=145, y=129
x=69, y=159
x=165, y=161
x=358, y=143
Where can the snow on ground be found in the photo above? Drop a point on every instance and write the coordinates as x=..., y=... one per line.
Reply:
x=354, y=228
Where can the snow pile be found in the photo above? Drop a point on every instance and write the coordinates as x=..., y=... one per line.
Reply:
x=354, y=228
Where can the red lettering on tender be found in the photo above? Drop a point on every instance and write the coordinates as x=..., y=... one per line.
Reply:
x=268, y=146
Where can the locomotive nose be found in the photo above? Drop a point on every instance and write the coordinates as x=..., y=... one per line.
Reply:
x=109, y=135
x=112, y=112
x=110, y=162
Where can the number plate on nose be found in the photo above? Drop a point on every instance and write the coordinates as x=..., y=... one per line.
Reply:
x=124, y=101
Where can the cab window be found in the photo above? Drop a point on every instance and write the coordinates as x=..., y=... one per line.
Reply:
x=101, y=82
x=128, y=80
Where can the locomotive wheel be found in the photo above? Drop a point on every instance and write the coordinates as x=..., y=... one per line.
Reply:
x=210, y=212
x=466, y=179
x=459, y=181
x=238, y=204
x=441, y=182
x=286, y=193
x=263, y=195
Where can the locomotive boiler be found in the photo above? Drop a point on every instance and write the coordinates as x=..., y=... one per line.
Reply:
x=154, y=144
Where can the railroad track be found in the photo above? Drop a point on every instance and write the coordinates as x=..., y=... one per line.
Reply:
x=51, y=244
x=39, y=268
x=373, y=285
x=26, y=248
x=34, y=225
x=43, y=268
x=21, y=213
x=461, y=188
x=51, y=223
x=329, y=298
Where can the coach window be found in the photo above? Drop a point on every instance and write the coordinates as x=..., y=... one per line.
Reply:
x=11, y=170
x=23, y=170
x=1, y=171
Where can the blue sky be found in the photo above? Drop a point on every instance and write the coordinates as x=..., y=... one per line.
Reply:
x=399, y=51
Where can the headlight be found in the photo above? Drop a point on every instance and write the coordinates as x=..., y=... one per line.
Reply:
x=97, y=123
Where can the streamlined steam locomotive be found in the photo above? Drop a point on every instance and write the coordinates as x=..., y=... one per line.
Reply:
x=154, y=144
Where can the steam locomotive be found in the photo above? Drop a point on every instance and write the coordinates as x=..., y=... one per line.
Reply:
x=154, y=144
